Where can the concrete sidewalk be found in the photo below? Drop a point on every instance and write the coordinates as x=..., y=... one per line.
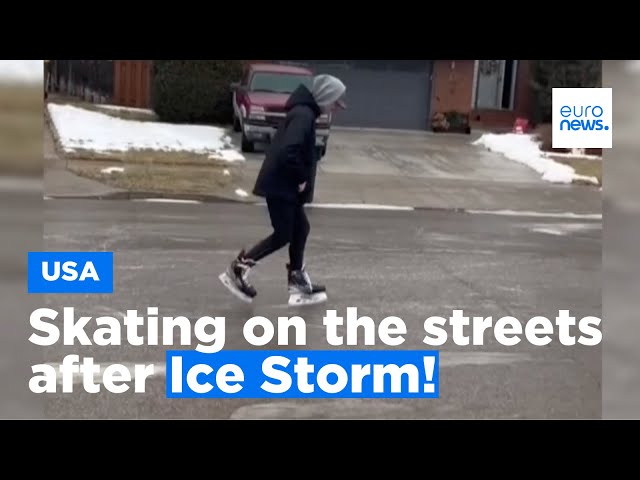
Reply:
x=60, y=182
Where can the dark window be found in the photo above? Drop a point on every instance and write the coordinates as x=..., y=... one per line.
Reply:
x=277, y=82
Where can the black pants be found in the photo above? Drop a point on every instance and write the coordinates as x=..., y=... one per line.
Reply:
x=290, y=226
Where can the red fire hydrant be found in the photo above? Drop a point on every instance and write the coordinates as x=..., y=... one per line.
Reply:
x=521, y=125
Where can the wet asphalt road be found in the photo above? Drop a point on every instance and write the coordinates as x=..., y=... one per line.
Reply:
x=411, y=264
x=22, y=226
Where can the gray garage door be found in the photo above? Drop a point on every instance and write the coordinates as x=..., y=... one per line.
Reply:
x=381, y=93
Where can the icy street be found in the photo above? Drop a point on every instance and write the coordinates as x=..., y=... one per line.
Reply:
x=411, y=264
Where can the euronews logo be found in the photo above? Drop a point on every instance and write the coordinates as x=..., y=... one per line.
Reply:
x=582, y=118
x=579, y=117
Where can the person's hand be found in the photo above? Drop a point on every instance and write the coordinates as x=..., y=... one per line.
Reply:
x=302, y=186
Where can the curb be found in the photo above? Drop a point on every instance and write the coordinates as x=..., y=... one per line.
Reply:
x=147, y=195
x=318, y=206
x=441, y=209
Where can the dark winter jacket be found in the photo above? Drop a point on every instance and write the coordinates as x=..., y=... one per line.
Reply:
x=292, y=156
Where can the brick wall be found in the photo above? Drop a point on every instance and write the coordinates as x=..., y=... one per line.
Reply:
x=453, y=91
x=522, y=106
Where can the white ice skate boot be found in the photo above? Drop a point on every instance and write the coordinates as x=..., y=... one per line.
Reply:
x=301, y=290
x=236, y=278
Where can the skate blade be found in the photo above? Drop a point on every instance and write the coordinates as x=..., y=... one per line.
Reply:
x=226, y=281
x=304, y=299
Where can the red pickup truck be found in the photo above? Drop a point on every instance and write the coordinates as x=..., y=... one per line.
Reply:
x=259, y=99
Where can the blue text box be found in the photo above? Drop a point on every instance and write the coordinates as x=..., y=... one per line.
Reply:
x=70, y=272
x=353, y=374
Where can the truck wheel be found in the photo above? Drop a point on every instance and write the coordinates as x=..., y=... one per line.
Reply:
x=246, y=145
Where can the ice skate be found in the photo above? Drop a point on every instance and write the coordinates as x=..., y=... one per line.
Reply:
x=301, y=290
x=235, y=278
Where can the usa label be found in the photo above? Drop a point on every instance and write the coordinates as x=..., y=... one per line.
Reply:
x=70, y=272
x=582, y=117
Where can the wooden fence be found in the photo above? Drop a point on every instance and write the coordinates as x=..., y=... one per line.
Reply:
x=91, y=80
x=132, y=83
x=120, y=82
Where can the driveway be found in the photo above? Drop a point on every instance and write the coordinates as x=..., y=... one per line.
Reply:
x=420, y=154
x=423, y=169
x=417, y=154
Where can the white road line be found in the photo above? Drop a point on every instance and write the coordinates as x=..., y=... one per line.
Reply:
x=360, y=206
x=166, y=200
x=174, y=217
x=563, y=229
x=352, y=206
x=187, y=240
x=526, y=213
x=550, y=231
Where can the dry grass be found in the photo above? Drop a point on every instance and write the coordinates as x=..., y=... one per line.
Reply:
x=147, y=157
x=124, y=114
x=21, y=129
x=582, y=166
x=189, y=180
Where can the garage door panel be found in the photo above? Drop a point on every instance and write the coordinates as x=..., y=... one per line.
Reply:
x=382, y=95
x=383, y=99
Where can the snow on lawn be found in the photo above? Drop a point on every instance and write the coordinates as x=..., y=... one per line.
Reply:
x=22, y=71
x=83, y=129
x=526, y=150
x=109, y=170
x=575, y=154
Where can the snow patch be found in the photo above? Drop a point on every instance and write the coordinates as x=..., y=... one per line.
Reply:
x=525, y=149
x=79, y=128
x=21, y=71
x=241, y=193
x=527, y=213
x=110, y=170
x=227, y=155
x=575, y=154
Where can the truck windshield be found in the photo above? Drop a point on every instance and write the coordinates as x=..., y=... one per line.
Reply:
x=277, y=82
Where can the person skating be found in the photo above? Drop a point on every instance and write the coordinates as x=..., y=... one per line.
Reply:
x=287, y=181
